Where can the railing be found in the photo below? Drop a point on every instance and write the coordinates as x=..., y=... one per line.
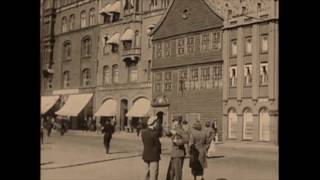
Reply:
x=131, y=52
x=130, y=85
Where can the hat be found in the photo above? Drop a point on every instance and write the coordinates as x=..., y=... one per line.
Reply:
x=197, y=125
x=151, y=120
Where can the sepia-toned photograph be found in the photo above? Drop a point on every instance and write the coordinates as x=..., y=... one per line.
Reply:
x=159, y=89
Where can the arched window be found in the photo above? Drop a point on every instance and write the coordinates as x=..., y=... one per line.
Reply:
x=83, y=22
x=232, y=124
x=92, y=19
x=71, y=22
x=115, y=73
x=106, y=75
x=86, y=77
x=264, y=125
x=64, y=24
x=66, y=79
x=247, y=124
x=66, y=50
x=86, y=47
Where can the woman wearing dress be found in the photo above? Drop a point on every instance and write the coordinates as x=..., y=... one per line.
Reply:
x=198, y=144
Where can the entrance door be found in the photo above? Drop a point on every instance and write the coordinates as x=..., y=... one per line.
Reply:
x=123, y=112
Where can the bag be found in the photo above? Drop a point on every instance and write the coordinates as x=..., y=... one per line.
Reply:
x=212, y=149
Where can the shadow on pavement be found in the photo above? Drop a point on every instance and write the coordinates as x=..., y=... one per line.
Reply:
x=91, y=162
x=214, y=157
x=221, y=179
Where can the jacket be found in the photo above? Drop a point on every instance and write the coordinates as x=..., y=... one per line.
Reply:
x=151, y=145
x=178, y=141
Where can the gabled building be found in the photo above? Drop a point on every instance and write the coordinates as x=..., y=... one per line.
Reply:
x=187, y=64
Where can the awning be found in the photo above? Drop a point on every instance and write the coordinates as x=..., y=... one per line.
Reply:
x=115, y=39
x=106, y=9
x=128, y=35
x=74, y=104
x=108, y=108
x=47, y=102
x=115, y=7
x=140, y=108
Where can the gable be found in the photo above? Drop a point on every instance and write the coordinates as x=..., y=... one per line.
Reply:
x=184, y=16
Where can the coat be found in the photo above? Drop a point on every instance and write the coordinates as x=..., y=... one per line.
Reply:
x=210, y=135
x=178, y=141
x=151, y=145
x=108, y=130
x=198, y=140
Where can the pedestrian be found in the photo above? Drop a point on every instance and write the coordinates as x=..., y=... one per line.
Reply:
x=139, y=127
x=108, y=130
x=49, y=126
x=151, y=149
x=186, y=128
x=198, y=148
x=212, y=146
x=41, y=134
x=209, y=133
x=179, y=139
x=63, y=127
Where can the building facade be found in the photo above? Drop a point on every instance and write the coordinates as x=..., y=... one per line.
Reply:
x=250, y=53
x=187, y=64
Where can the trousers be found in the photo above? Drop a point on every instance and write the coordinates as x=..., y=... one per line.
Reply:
x=152, y=169
x=175, y=168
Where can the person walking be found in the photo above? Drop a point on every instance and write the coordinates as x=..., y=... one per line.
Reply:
x=107, y=130
x=198, y=148
x=151, y=148
x=179, y=139
x=63, y=127
x=49, y=126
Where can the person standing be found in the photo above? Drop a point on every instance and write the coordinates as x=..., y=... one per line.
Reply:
x=186, y=128
x=198, y=148
x=107, y=130
x=179, y=139
x=209, y=133
x=151, y=148
x=63, y=127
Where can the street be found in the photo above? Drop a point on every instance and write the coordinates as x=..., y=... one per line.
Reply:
x=81, y=156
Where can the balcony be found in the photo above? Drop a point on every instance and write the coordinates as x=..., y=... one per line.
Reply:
x=131, y=53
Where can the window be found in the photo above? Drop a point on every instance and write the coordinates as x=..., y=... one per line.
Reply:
x=217, y=75
x=136, y=39
x=159, y=50
x=158, y=82
x=86, y=47
x=258, y=7
x=71, y=22
x=64, y=24
x=180, y=47
x=233, y=76
x=66, y=79
x=229, y=13
x=194, y=84
x=86, y=77
x=167, y=48
x=205, y=78
x=232, y=124
x=248, y=45
x=247, y=125
x=153, y=4
x=127, y=45
x=49, y=82
x=264, y=43
x=205, y=42
x=190, y=45
x=106, y=75
x=216, y=39
x=247, y=75
x=106, y=18
x=115, y=73
x=83, y=22
x=92, y=19
x=234, y=47
x=114, y=48
x=183, y=79
x=167, y=81
x=106, y=47
x=264, y=74
x=244, y=10
x=66, y=51
x=264, y=125
x=133, y=72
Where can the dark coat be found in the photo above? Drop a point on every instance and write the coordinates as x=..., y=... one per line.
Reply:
x=198, y=140
x=108, y=130
x=151, y=145
x=178, y=148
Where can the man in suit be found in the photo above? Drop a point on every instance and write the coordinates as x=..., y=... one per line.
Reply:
x=178, y=152
x=108, y=130
x=151, y=148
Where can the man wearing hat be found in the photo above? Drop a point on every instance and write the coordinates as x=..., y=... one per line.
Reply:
x=151, y=148
x=178, y=152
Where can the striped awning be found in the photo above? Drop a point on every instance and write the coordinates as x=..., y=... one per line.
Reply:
x=74, y=104
x=47, y=102
x=107, y=109
x=141, y=108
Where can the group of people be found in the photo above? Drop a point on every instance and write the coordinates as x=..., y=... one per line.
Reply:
x=52, y=123
x=193, y=141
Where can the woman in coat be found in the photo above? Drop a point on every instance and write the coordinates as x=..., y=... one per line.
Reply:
x=198, y=144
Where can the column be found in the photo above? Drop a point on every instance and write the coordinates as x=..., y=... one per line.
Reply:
x=225, y=57
x=255, y=61
x=239, y=63
x=271, y=60
x=256, y=130
x=240, y=127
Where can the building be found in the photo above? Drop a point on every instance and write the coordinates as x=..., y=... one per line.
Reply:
x=187, y=64
x=250, y=53
x=100, y=58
